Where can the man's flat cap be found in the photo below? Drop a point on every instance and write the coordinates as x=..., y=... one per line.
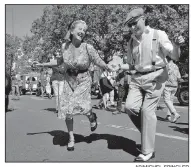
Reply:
x=134, y=14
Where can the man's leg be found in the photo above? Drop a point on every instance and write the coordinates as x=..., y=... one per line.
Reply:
x=126, y=88
x=133, y=105
x=148, y=116
x=121, y=93
x=55, y=88
x=168, y=99
x=17, y=89
x=111, y=98
x=166, y=96
x=13, y=92
x=42, y=91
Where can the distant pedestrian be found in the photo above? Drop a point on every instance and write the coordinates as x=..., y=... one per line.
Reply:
x=57, y=80
x=42, y=81
x=170, y=89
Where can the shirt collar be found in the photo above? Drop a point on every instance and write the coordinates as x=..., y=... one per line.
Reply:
x=147, y=30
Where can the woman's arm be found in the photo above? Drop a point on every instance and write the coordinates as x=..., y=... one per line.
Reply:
x=96, y=59
x=49, y=64
x=52, y=63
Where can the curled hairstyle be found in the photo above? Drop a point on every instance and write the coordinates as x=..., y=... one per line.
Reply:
x=71, y=26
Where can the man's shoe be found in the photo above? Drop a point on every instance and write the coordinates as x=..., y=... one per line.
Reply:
x=116, y=112
x=168, y=118
x=70, y=146
x=176, y=117
x=144, y=158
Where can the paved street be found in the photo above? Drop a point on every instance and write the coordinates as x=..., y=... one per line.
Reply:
x=35, y=134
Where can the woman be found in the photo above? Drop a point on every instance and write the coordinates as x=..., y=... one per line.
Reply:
x=76, y=96
x=48, y=84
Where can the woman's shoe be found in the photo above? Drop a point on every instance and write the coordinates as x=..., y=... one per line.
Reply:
x=93, y=121
x=70, y=146
x=144, y=158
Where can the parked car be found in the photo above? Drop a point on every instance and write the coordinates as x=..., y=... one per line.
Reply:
x=29, y=82
x=183, y=92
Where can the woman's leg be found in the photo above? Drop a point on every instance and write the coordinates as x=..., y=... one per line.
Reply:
x=69, y=123
x=93, y=120
x=105, y=100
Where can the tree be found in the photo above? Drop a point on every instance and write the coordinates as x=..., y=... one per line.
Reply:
x=12, y=45
x=106, y=30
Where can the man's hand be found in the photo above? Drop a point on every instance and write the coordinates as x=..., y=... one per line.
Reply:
x=179, y=40
x=110, y=68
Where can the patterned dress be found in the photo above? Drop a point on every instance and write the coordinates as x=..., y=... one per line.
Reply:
x=76, y=96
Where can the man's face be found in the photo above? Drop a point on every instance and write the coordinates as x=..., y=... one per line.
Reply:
x=137, y=26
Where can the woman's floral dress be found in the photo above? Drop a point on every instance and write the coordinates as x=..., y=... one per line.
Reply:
x=76, y=97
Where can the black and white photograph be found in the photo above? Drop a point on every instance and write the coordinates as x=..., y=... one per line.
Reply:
x=96, y=83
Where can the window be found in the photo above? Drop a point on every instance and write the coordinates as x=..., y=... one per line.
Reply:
x=33, y=79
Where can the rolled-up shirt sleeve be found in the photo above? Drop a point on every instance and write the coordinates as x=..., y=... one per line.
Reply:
x=165, y=43
x=168, y=48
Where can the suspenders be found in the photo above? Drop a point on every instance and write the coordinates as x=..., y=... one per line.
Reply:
x=154, y=49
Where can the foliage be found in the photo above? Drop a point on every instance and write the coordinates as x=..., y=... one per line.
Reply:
x=106, y=30
x=12, y=44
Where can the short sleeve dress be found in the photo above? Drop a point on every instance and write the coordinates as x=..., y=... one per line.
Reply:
x=76, y=96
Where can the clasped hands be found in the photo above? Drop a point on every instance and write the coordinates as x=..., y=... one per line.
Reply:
x=113, y=68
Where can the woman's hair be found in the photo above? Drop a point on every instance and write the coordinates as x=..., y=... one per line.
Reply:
x=71, y=26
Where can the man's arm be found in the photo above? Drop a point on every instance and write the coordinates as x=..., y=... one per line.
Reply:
x=169, y=48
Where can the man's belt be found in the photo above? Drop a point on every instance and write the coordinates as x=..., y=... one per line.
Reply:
x=147, y=72
x=75, y=72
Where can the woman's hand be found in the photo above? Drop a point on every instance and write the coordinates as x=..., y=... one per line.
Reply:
x=113, y=68
x=39, y=64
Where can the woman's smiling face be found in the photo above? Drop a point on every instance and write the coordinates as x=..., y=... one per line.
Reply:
x=79, y=31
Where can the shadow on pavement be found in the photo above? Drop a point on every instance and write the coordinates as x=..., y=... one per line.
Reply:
x=50, y=109
x=113, y=141
x=178, y=129
x=176, y=104
x=10, y=110
x=182, y=123
x=162, y=119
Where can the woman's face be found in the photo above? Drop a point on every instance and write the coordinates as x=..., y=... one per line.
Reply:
x=79, y=31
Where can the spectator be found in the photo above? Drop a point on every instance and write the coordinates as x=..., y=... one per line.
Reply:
x=171, y=88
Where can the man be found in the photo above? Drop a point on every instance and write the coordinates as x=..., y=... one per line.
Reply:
x=7, y=89
x=171, y=88
x=57, y=83
x=15, y=88
x=48, y=83
x=122, y=80
x=42, y=81
x=146, y=53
